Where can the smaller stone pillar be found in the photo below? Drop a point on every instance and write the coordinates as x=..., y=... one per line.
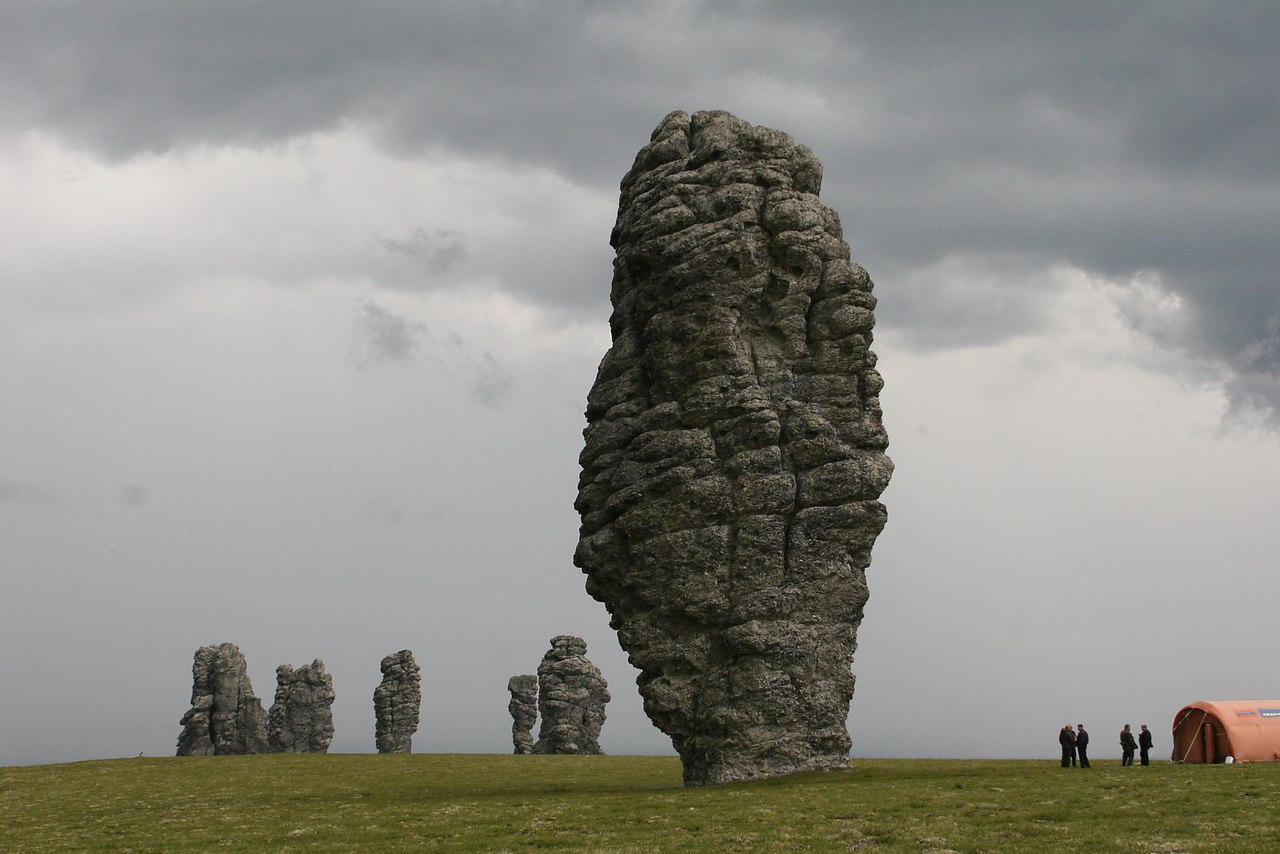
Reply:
x=397, y=703
x=524, y=710
x=572, y=694
x=225, y=716
x=301, y=718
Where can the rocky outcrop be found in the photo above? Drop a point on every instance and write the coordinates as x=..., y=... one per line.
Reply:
x=524, y=710
x=397, y=702
x=734, y=450
x=301, y=718
x=225, y=716
x=572, y=694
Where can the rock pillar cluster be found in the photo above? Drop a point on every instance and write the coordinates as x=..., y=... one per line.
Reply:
x=524, y=711
x=572, y=694
x=397, y=703
x=301, y=718
x=734, y=451
x=225, y=716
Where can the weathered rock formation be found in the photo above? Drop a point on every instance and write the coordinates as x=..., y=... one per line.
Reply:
x=301, y=718
x=524, y=710
x=225, y=716
x=397, y=702
x=734, y=450
x=572, y=695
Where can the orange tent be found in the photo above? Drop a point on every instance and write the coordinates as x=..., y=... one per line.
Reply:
x=1246, y=730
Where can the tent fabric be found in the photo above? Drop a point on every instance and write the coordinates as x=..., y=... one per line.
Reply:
x=1211, y=731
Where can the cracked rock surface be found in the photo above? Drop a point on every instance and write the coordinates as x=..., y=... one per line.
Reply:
x=397, y=703
x=301, y=717
x=225, y=717
x=524, y=711
x=734, y=452
x=572, y=694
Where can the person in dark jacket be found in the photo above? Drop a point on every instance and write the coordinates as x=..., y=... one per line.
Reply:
x=1082, y=745
x=1144, y=745
x=1127, y=746
x=1067, y=739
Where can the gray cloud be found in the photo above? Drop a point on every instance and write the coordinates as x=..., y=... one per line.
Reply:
x=135, y=495
x=23, y=493
x=494, y=383
x=1255, y=386
x=966, y=302
x=973, y=150
x=1134, y=137
x=435, y=249
x=491, y=382
x=382, y=336
x=394, y=512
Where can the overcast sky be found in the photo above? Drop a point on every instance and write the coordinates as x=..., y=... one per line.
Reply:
x=300, y=304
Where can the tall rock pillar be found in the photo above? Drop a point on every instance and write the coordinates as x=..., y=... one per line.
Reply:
x=734, y=450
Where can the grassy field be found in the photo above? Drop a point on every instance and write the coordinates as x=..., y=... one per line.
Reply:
x=435, y=802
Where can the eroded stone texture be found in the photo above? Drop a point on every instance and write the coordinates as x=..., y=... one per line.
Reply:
x=524, y=710
x=397, y=702
x=734, y=450
x=225, y=716
x=572, y=694
x=301, y=717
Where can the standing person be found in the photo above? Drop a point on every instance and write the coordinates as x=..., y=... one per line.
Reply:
x=1144, y=743
x=1068, y=741
x=1082, y=745
x=1127, y=746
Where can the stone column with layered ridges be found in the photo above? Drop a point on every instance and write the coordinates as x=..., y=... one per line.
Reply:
x=397, y=703
x=572, y=694
x=734, y=451
x=301, y=718
x=225, y=717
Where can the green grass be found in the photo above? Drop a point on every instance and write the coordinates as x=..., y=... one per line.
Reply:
x=438, y=802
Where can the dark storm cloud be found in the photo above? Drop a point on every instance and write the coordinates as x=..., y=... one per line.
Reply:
x=498, y=79
x=1187, y=86
x=1134, y=137
x=576, y=85
x=1123, y=139
x=1128, y=140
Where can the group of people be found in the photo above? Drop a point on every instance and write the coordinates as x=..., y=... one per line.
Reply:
x=1075, y=746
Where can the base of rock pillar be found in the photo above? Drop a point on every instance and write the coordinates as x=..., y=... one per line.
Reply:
x=711, y=768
